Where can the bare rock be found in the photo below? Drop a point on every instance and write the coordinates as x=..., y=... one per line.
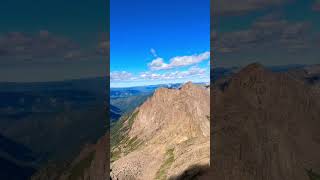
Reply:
x=173, y=128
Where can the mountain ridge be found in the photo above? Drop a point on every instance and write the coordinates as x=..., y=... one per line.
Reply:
x=159, y=132
x=265, y=126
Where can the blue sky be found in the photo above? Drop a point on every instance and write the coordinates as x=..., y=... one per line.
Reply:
x=173, y=34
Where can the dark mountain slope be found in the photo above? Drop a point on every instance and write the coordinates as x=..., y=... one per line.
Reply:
x=54, y=119
x=13, y=171
x=16, y=161
x=115, y=113
x=265, y=127
x=90, y=164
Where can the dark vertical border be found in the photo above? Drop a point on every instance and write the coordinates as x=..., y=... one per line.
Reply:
x=211, y=82
x=108, y=93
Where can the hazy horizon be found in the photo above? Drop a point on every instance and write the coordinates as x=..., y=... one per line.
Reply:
x=196, y=82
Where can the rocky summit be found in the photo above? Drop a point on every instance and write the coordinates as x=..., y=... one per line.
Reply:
x=265, y=127
x=167, y=137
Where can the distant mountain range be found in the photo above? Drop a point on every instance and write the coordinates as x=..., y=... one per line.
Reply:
x=221, y=72
x=54, y=120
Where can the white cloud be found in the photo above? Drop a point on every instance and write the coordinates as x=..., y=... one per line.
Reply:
x=189, y=60
x=178, y=61
x=191, y=72
x=120, y=76
x=158, y=64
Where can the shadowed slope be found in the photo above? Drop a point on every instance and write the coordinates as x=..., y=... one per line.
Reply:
x=266, y=127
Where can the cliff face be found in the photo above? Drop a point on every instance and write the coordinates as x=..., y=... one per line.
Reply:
x=265, y=127
x=165, y=136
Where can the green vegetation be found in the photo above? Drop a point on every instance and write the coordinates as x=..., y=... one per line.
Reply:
x=131, y=119
x=116, y=154
x=78, y=170
x=312, y=175
x=125, y=147
x=162, y=172
x=132, y=145
x=117, y=132
x=120, y=141
x=120, y=129
x=129, y=103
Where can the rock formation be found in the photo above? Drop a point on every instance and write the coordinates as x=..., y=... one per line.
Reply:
x=165, y=136
x=265, y=126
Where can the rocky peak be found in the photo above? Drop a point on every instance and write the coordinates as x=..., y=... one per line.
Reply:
x=167, y=124
x=162, y=92
x=265, y=118
x=254, y=69
x=168, y=106
x=188, y=85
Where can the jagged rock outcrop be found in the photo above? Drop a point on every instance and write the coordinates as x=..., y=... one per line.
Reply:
x=166, y=135
x=265, y=127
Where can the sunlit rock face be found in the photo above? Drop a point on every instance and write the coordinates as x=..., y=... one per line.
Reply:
x=168, y=134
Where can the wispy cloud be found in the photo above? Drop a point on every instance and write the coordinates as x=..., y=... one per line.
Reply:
x=191, y=72
x=194, y=71
x=178, y=61
x=316, y=6
x=40, y=45
x=168, y=73
x=153, y=52
x=121, y=76
x=233, y=7
x=267, y=31
x=45, y=45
